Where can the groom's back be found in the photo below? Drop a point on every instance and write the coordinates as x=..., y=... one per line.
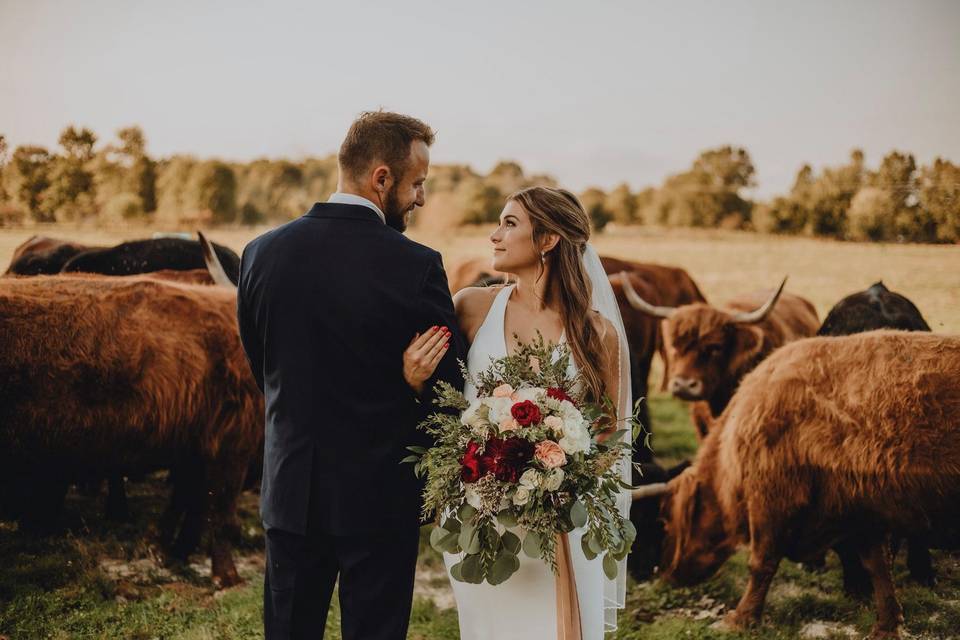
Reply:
x=332, y=299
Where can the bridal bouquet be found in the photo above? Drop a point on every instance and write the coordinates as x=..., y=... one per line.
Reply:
x=528, y=460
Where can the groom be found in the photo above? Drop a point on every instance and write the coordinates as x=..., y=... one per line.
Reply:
x=326, y=305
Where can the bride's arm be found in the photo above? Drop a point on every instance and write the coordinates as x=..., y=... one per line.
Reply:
x=611, y=372
x=426, y=350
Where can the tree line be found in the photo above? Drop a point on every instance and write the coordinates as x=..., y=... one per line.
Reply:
x=119, y=182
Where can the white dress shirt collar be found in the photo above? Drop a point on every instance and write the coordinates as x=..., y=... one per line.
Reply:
x=350, y=198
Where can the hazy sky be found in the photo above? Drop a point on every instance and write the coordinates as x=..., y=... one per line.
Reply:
x=591, y=92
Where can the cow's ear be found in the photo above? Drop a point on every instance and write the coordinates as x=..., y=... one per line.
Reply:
x=748, y=345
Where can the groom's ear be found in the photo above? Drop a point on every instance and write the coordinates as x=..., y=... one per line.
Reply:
x=381, y=179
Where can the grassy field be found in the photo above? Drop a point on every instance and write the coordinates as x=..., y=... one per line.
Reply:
x=109, y=581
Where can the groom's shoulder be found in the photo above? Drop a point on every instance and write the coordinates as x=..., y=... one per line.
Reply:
x=414, y=248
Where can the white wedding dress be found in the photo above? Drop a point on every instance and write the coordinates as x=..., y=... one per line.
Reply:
x=525, y=606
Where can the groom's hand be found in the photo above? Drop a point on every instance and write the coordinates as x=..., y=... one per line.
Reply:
x=422, y=356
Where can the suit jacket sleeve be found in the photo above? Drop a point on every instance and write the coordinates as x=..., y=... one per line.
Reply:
x=251, y=340
x=436, y=307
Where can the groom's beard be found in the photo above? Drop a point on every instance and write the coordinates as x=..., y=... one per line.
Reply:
x=394, y=213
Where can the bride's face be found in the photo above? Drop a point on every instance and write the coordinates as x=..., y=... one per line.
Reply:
x=513, y=248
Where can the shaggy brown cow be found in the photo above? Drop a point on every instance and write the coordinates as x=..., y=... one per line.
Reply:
x=42, y=255
x=828, y=439
x=711, y=349
x=472, y=271
x=129, y=373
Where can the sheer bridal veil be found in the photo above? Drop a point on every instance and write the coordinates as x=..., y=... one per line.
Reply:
x=604, y=301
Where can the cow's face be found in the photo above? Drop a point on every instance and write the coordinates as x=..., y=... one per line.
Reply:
x=695, y=541
x=705, y=349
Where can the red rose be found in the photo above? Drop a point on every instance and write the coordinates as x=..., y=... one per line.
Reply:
x=559, y=394
x=526, y=413
x=472, y=464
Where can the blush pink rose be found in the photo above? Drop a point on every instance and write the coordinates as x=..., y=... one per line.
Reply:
x=550, y=454
x=503, y=391
x=509, y=424
x=554, y=422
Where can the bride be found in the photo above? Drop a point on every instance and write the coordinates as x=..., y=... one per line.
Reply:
x=562, y=292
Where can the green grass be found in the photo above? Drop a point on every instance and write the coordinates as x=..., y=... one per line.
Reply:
x=68, y=586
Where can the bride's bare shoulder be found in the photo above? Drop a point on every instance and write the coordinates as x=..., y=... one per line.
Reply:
x=472, y=305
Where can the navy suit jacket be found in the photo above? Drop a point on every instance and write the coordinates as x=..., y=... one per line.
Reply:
x=327, y=304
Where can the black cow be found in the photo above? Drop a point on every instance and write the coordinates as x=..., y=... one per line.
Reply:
x=875, y=308
x=144, y=256
x=42, y=255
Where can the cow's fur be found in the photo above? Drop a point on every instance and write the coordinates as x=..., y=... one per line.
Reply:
x=829, y=438
x=128, y=373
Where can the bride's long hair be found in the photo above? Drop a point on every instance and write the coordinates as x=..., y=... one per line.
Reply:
x=559, y=212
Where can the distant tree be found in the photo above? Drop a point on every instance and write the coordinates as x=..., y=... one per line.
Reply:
x=71, y=194
x=938, y=195
x=31, y=176
x=708, y=194
x=173, y=196
x=594, y=203
x=830, y=195
x=141, y=171
x=213, y=188
x=3, y=165
x=622, y=204
x=484, y=204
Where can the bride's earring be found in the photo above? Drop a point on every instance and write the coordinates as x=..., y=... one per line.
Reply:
x=543, y=257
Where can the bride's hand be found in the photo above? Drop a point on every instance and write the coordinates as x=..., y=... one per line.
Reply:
x=423, y=355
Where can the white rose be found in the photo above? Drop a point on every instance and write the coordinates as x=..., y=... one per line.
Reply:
x=576, y=437
x=530, y=479
x=554, y=480
x=569, y=412
x=522, y=496
x=528, y=393
x=473, y=415
x=499, y=409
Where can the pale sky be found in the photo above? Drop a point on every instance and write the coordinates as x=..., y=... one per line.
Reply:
x=595, y=93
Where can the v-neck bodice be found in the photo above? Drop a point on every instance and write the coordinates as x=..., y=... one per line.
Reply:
x=490, y=341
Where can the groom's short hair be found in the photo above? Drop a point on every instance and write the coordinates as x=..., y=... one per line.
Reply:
x=381, y=137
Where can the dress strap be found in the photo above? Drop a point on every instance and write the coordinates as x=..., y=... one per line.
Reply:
x=491, y=329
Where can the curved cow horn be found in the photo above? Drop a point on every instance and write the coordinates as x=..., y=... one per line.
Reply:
x=650, y=490
x=639, y=303
x=759, y=314
x=213, y=263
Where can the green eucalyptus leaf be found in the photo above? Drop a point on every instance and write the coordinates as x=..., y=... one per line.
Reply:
x=588, y=553
x=610, y=566
x=511, y=542
x=452, y=524
x=472, y=571
x=506, y=518
x=466, y=513
x=503, y=567
x=456, y=572
x=578, y=514
x=451, y=543
x=436, y=536
x=595, y=545
x=531, y=545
